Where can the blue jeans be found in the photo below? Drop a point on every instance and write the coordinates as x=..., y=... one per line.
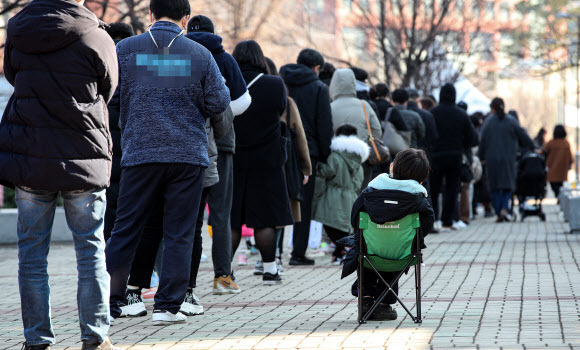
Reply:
x=85, y=212
x=501, y=200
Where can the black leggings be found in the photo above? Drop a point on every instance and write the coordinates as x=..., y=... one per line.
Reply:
x=556, y=186
x=335, y=235
x=266, y=240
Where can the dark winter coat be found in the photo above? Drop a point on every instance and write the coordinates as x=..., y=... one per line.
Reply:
x=54, y=133
x=431, y=134
x=164, y=109
x=410, y=197
x=239, y=95
x=395, y=118
x=260, y=193
x=456, y=132
x=414, y=123
x=313, y=100
x=498, y=148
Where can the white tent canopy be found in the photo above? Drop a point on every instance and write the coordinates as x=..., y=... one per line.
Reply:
x=468, y=93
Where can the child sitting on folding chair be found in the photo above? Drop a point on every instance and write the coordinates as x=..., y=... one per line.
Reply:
x=389, y=198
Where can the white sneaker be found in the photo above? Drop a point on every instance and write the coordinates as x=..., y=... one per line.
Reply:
x=438, y=225
x=134, y=306
x=459, y=225
x=279, y=267
x=164, y=318
x=191, y=305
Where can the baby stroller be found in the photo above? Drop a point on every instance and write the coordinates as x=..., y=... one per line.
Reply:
x=531, y=185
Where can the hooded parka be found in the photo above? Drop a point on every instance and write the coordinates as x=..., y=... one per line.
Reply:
x=339, y=181
x=54, y=133
x=313, y=101
x=348, y=109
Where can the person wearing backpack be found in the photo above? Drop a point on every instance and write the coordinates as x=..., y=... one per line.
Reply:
x=339, y=182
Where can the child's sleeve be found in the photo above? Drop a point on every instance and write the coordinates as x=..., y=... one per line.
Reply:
x=328, y=170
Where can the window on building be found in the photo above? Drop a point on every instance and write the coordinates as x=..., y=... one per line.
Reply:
x=489, y=10
x=316, y=6
x=355, y=39
x=504, y=12
x=459, y=6
x=482, y=46
x=475, y=7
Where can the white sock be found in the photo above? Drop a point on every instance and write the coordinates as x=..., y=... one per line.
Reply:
x=132, y=288
x=270, y=267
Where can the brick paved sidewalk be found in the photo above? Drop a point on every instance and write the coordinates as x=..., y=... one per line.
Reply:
x=506, y=286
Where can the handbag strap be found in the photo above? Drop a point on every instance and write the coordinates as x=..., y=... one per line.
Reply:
x=367, y=120
x=255, y=80
x=371, y=137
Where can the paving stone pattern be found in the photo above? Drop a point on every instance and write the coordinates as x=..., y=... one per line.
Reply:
x=490, y=286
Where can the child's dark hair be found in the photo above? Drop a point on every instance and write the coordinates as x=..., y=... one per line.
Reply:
x=346, y=130
x=411, y=164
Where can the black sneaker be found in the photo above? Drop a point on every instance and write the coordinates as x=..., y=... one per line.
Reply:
x=134, y=306
x=301, y=261
x=35, y=347
x=384, y=312
x=269, y=279
x=259, y=268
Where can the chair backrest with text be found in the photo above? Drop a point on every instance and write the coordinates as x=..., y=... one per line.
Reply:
x=389, y=245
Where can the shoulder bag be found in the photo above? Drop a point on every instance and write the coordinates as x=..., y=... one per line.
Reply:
x=379, y=152
x=393, y=138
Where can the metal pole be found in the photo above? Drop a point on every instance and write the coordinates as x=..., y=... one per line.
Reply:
x=577, y=101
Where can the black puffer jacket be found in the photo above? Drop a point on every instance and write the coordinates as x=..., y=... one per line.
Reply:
x=456, y=132
x=313, y=101
x=54, y=132
x=373, y=202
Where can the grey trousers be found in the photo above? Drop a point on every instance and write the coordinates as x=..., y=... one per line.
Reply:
x=220, y=207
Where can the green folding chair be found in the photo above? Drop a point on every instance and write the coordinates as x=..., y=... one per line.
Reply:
x=387, y=247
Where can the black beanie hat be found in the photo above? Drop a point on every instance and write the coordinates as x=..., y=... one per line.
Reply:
x=447, y=94
x=200, y=23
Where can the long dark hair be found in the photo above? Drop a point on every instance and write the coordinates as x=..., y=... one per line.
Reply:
x=498, y=107
x=249, y=52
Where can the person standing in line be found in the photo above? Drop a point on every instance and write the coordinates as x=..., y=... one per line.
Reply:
x=456, y=134
x=501, y=138
x=381, y=97
x=260, y=195
x=340, y=180
x=64, y=71
x=169, y=85
x=117, y=31
x=291, y=118
x=313, y=100
x=347, y=108
x=412, y=119
x=559, y=159
x=431, y=134
x=540, y=139
x=201, y=30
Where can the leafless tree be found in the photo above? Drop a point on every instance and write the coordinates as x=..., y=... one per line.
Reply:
x=415, y=39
